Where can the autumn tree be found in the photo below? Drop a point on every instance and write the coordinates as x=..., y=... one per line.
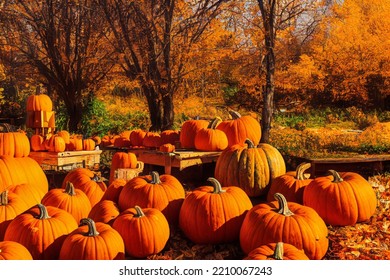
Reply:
x=154, y=39
x=62, y=41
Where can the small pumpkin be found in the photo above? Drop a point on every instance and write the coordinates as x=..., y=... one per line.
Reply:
x=122, y=160
x=88, y=144
x=164, y=193
x=137, y=137
x=291, y=184
x=170, y=136
x=104, y=211
x=41, y=230
x=145, y=231
x=341, y=199
x=167, y=148
x=114, y=189
x=214, y=214
x=288, y=222
x=276, y=251
x=39, y=102
x=37, y=143
x=152, y=140
x=93, y=241
x=56, y=144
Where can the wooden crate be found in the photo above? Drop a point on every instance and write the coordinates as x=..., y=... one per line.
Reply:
x=67, y=160
x=129, y=173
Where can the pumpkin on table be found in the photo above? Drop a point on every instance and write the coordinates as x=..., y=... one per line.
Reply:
x=189, y=129
x=41, y=230
x=276, y=251
x=70, y=199
x=291, y=184
x=88, y=181
x=288, y=222
x=93, y=241
x=145, y=231
x=164, y=193
x=137, y=137
x=341, y=199
x=214, y=214
x=240, y=128
x=210, y=138
x=11, y=250
x=250, y=167
x=170, y=136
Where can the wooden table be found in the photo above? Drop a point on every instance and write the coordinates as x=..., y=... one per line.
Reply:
x=366, y=165
x=68, y=160
x=180, y=159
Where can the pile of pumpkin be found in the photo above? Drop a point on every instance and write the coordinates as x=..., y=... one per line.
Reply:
x=86, y=218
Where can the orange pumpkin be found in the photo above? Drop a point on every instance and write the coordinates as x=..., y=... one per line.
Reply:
x=189, y=129
x=15, y=144
x=64, y=134
x=104, y=211
x=164, y=193
x=75, y=143
x=167, y=148
x=41, y=230
x=210, y=138
x=240, y=128
x=145, y=231
x=39, y=102
x=290, y=184
x=88, y=144
x=341, y=199
x=137, y=137
x=288, y=222
x=114, y=189
x=87, y=181
x=11, y=250
x=37, y=143
x=73, y=201
x=93, y=241
x=276, y=251
x=152, y=140
x=170, y=136
x=56, y=144
x=214, y=214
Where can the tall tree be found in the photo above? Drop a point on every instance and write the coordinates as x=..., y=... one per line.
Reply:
x=276, y=15
x=154, y=39
x=62, y=40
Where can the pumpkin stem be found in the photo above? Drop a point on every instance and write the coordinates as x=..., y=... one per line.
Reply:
x=214, y=122
x=234, y=114
x=140, y=213
x=249, y=143
x=92, y=231
x=43, y=214
x=4, y=198
x=283, y=206
x=279, y=251
x=300, y=171
x=336, y=176
x=155, y=177
x=217, y=185
x=69, y=189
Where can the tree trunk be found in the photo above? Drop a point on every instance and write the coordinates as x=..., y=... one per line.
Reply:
x=75, y=112
x=168, y=117
x=155, y=106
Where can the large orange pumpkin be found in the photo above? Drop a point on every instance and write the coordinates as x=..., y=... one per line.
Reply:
x=104, y=211
x=341, y=199
x=249, y=167
x=276, y=251
x=41, y=230
x=39, y=102
x=240, y=128
x=87, y=181
x=137, y=137
x=288, y=222
x=291, y=184
x=164, y=193
x=93, y=241
x=214, y=214
x=114, y=189
x=145, y=231
x=24, y=170
x=70, y=199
